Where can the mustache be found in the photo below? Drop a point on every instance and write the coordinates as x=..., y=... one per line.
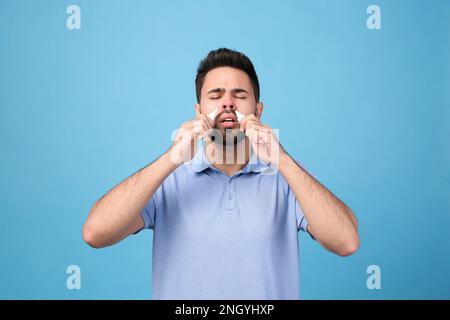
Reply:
x=226, y=112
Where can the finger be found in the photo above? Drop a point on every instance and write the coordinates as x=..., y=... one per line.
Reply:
x=207, y=119
x=253, y=125
x=201, y=123
x=261, y=136
x=247, y=118
x=250, y=122
x=243, y=124
x=206, y=131
x=251, y=132
x=202, y=130
x=197, y=127
x=264, y=135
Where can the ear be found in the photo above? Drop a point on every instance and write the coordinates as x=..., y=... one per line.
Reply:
x=259, y=109
x=197, y=109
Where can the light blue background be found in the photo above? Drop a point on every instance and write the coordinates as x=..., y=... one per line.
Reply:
x=367, y=111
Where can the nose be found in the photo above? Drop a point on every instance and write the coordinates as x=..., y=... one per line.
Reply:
x=228, y=104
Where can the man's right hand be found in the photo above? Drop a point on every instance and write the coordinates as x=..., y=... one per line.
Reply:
x=116, y=215
x=184, y=144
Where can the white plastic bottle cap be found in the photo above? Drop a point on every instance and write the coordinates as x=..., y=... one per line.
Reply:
x=240, y=116
x=212, y=115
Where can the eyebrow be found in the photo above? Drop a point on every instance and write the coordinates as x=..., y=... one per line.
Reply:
x=234, y=91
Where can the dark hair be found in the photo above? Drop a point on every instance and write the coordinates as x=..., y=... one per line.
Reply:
x=224, y=57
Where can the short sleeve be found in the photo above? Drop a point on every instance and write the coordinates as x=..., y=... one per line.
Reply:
x=148, y=213
x=302, y=222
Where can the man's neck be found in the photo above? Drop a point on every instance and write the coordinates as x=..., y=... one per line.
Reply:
x=228, y=158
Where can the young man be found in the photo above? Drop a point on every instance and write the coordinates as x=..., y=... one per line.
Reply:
x=225, y=224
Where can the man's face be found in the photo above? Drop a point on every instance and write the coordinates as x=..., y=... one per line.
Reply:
x=228, y=90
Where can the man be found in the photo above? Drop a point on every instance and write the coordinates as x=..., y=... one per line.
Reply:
x=225, y=223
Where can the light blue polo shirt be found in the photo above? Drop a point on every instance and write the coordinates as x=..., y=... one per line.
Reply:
x=220, y=237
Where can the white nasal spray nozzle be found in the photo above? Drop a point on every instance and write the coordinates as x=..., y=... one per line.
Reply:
x=212, y=115
x=240, y=116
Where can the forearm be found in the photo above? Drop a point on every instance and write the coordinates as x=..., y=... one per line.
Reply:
x=330, y=221
x=117, y=214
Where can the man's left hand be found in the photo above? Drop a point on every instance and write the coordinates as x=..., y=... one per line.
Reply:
x=262, y=138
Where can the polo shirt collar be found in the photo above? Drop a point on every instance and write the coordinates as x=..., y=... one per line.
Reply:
x=200, y=162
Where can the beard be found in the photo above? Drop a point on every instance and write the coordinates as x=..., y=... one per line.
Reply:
x=233, y=136
x=227, y=136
